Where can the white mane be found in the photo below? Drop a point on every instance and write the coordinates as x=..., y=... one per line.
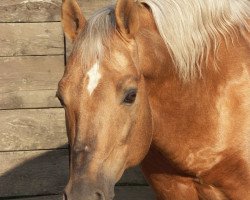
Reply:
x=191, y=29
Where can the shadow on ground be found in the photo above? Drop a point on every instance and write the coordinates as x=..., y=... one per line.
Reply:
x=46, y=173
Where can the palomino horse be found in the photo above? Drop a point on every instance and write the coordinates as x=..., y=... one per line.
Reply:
x=165, y=83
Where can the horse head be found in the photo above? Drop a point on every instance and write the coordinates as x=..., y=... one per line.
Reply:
x=103, y=92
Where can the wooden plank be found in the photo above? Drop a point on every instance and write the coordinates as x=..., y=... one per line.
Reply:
x=31, y=39
x=89, y=7
x=30, y=82
x=50, y=197
x=134, y=193
x=42, y=172
x=132, y=176
x=33, y=173
x=42, y=10
x=122, y=193
x=32, y=129
x=29, y=10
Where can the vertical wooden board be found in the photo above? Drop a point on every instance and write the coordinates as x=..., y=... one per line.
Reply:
x=32, y=129
x=31, y=39
x=30, y=82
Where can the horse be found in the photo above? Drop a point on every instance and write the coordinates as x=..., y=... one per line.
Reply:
x=164, y=84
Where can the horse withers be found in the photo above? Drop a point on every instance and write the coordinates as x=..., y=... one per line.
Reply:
x=164, y=83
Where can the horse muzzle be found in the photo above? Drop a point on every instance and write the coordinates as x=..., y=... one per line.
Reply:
x=88, y=192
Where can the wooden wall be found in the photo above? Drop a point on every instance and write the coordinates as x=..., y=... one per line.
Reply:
x=33, y=143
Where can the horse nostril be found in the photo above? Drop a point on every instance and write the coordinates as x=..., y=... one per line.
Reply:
x=100, y=196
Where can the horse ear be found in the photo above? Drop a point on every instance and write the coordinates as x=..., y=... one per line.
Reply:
x=127, y=18
x=72, y=19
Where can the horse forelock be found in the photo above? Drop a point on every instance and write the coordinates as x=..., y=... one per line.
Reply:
x=191, y=30
x=95, y=37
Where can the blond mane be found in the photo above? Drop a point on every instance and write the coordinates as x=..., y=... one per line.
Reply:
x=190, y=29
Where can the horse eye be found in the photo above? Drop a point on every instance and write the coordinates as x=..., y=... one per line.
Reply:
x=130, y=96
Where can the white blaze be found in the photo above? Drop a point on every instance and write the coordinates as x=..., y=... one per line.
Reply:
x=94, y=77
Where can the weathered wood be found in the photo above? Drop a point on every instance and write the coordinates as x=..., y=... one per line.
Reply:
x=134, y=193
x=30, y=82
x=42, y=172
x=32, y=129
x=50, y=197
x=31, y=39
x=33, y=173
x=29, y=10
x=89, y=7
x=122, y=193
x=42, y=10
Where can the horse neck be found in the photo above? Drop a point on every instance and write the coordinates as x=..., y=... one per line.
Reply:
x=167, y=93
x=155, y=61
